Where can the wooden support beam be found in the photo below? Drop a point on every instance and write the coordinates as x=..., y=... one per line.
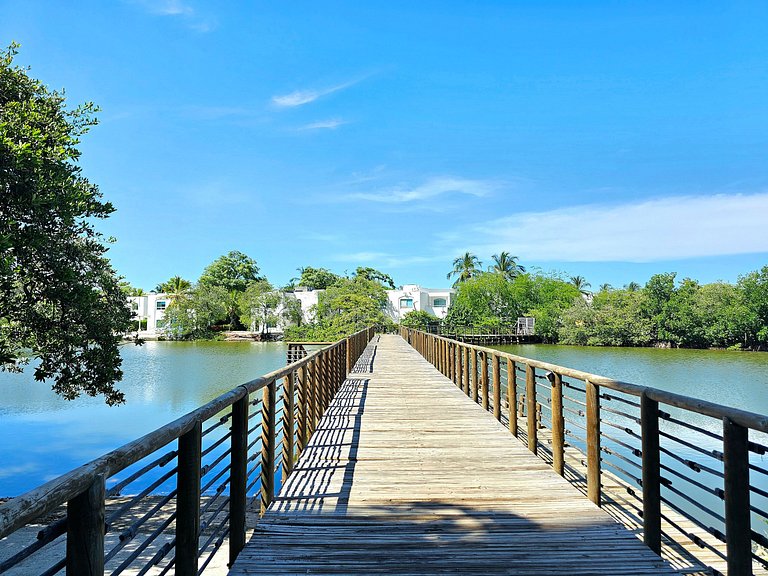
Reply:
x=268, y=445
x=289, y=424
x=188, y=501
x=593, y=442
x=738, y=535
x=512, y=396
x=484, y=378
x=558, y=424
x=302, y=438
x=238, y=477
x=85, y=531
x=649, y=427
x=530, y=408
x=496, y=368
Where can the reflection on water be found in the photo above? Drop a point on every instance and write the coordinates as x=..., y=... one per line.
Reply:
x=738, y=379
x=43, y=436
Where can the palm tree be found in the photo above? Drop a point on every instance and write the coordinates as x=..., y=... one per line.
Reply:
x=174, y=288
x=465, y=267
x=633, y=287
x=605, y=287
x=506, y=265
x=581, y=284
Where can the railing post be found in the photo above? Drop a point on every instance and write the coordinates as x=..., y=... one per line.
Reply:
x=484, y=378
x=465, y=369
x=512, y=396
x=496, y=387
x=289, y=423
x=530, y=408
x=558, y=424
x=85, y=531
x=444, y=357
x=302, y=433
x=312, y=397
x=188, y=501
x=475, y=395
x=268, y=445
x=738, y=537
x=593, y=442
x=322, y=382
x=649, y=427
x=238, y=477
x=348, y=354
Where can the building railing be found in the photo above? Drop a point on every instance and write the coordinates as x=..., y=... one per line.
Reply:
x=189, y=481
x=687, y=464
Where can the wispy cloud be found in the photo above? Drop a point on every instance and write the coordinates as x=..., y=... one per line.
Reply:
x=385, y=259
x=671, y=228
x=430, y=189
x=331, y=124
x=178, y=9
x=301, y=97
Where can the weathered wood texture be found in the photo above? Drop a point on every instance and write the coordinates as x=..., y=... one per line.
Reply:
x=405, y=475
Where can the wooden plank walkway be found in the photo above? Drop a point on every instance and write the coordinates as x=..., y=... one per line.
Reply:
x=405, y=475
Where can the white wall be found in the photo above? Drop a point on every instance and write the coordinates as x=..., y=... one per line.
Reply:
x=145, y=308
x=423, y=299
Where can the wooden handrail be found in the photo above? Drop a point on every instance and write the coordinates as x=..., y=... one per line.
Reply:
x=318, y=376
x=644, y=414
x=745, y=418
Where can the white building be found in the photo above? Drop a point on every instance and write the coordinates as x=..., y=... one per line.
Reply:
x=150, y=307
x=435, y=301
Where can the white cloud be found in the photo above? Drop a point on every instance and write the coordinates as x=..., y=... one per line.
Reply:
x=386, y=260
x=174, y=8
x=428, y=190
x=167, y=7
x=301, y=97
x=662, y=229
x=180, y=9
x=331, y=124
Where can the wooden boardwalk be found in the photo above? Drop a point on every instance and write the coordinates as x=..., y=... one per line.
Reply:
x=405, y=475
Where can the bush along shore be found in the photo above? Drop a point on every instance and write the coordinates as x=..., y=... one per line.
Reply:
x=664, y=313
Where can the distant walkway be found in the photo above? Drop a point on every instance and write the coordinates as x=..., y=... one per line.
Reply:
x=406, y=475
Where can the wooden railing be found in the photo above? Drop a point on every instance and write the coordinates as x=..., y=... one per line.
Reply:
x=190, y=481
x=688, y=465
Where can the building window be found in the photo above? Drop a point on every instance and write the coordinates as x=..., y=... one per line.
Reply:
x=439, y=303
x=160, y=305
x=406, y=302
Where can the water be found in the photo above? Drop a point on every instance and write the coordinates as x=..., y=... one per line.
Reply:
x=43, y=436
x=736, y=379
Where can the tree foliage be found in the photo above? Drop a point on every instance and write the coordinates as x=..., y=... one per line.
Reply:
x=418, y=319
x=196, y=312
x=174, y=287
x=233, y=271
x=506, y=265
x=349, y=305
x=465, y=267
x=259, y=306
x=60, y=299
x=372, y=274
x=316, y=278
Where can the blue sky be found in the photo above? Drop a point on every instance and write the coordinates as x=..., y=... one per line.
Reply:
x=607, y=139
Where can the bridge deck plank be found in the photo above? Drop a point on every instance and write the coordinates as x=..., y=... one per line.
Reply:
x=405, y=475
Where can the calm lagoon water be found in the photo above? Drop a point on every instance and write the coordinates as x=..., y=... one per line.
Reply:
x=738, y=379
x=42, y=436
